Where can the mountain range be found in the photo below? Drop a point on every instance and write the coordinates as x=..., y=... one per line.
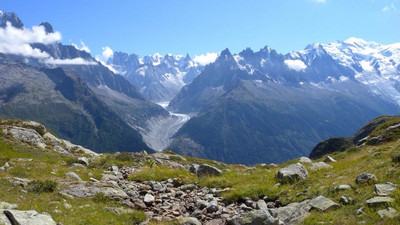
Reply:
x=262, y=106
x=157, y=77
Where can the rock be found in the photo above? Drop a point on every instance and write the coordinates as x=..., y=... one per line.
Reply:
x=385, y=189
x=305, y=160
x=83, y=161
x=207, y=170
x=53, y=139
x=77, y=165
x=5, y=167
x=40, y=128
x=201, y=204
x=294, y=213
x=188, y=221
x=346, y=200
x=320, y=165
x=119, y=210
x=108, y=177
x=329, y=159
x=73, y=176
x=148, y=199
x=258, y=217
x=188, y=187
x=379, y=200
x=156, y=186
x=261, y=204
x=215, y=222
x=388, y=213
x=359, y=211
x=323, y=204
x=89, y=189
x=28, y=217
x=193, y=168
x=244, y=207
x=292, y=172
x=3, y=219
x=365, y=178
x=28, y=136
x=212, y=207
x=5, y=205
x=343, y=187
x=61, y=150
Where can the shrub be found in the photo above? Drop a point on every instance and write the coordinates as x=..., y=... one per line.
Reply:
x=38, y=186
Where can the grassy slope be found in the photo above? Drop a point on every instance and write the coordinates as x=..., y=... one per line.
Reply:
x=260, y=181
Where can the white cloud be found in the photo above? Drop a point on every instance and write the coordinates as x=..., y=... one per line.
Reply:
x=107, y=52
x=296, y=65
x=390, y=7
x=74, y=61
x=18, y=42
x=205, y=59
x=83, y=47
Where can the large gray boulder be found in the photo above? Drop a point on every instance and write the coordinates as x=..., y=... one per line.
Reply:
x=365, y=178
x=38, y=127
x=305, y=160
x=28, y=217
x=388, y=213
x=385, y=189
x=188, y=221
x=89, y=189
x=378, y=201
x=29, y=136
x=294, y=213
x=292, y=172
x=323, y=204
x=6, y=205
x=259, y=217
x=320, y=165
x=73, y=176
x=207, y=170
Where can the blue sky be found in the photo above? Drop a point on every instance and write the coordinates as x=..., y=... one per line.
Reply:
x=197, y=27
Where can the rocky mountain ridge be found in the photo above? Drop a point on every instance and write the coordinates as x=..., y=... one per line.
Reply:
x=157, y=77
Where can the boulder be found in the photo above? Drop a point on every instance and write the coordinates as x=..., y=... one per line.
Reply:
x=194, y=168
x=292, y=172
x=343, y=187
x=261, y=204
x=5, y=167
x=188, y=187
x=89, y=189
x=201, y=204
x=28, y=217
x=29, y=136
x=148, y=199
x=365, y=178
x=212, y=207
x=320, y=165
x=388, y=213
x=294, y=213
x=305, y=160
x=6, y=205
x=207, y=170
x=73, y=176
x=258, y=217
x=323, y=204
x=329, y=159
x=385, y=189
x=40, y=128
x=188, y=221
x=83, y=160
x=379, y=200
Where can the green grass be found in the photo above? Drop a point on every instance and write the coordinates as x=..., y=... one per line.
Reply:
x=47, y=165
